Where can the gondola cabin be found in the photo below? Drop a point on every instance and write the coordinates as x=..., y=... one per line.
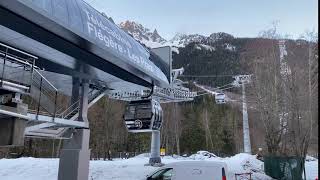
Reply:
x=143, y=116
x=220, y=98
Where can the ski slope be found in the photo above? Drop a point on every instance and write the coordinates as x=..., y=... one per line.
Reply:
x=131, y=169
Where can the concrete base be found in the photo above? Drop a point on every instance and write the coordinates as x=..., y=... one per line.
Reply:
x=155, y=164
x=75, y=157
x=12, y=128
x=74, y=164
x=155, y=149
x=155, y=161
x=12, y=131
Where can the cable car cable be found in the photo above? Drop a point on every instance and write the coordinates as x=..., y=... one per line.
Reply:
x=206, y=76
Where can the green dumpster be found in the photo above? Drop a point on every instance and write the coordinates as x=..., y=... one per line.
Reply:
x=284, y=168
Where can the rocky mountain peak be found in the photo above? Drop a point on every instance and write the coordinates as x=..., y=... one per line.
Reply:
x=140, y=33
x=153, y=39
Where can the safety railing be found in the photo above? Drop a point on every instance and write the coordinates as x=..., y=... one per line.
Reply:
x=74, y=108
x=15, y=66
x=70, y=111
x=18, y=68
x=44, y=93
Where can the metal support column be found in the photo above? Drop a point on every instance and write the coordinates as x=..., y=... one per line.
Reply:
x=155, y=158
x=246, y=131
x=75, y=90
x=75, y=155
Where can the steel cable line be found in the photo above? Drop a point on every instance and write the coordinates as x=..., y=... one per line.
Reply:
x=207, y=76
x=219, y=89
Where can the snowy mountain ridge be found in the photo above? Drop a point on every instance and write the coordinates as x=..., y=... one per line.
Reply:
x=142, y=34
x=153, y=39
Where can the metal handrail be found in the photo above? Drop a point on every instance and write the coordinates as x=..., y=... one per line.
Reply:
x=51, y=95
x=75, y=111
x=69, y=110
x=46, y=98
x=45, y=79
x=11, y=56
x=17, y=50
x=46, y=89
x=37, y=80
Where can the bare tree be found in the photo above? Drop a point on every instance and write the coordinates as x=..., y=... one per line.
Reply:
x=284, y=97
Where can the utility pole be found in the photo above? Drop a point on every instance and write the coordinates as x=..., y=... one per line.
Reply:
x=246, y=130
x=310, y=86
x=243, y=79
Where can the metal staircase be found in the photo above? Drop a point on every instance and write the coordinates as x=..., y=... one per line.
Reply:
x=18, y=74
x=44, y=93
x=56, y=130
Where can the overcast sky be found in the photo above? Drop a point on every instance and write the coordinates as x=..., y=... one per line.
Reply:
x=241, y=18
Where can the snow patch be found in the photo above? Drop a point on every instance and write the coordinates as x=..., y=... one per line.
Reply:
x=151, y=44
x=310, y=158
x=134, y=168
x=229, y=47
x=202, y=155
x=175, y=49
x=284, y=67
x=205, y=47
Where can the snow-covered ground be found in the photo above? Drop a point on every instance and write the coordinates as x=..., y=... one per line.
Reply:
x=131, y=169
